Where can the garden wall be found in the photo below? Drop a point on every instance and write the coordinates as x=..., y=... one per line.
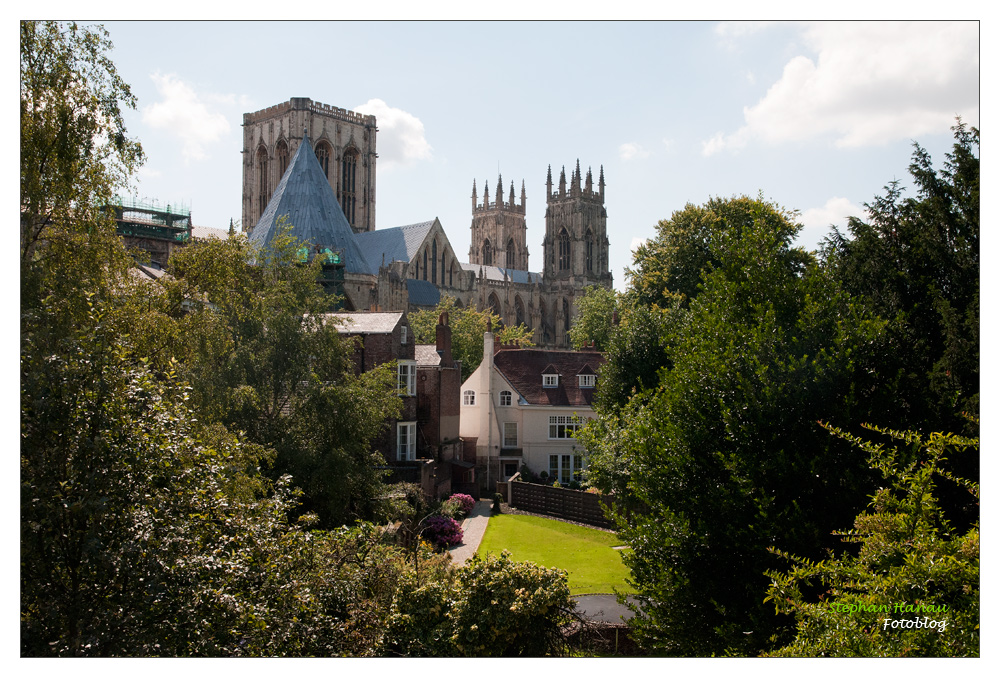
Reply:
x=559, y=502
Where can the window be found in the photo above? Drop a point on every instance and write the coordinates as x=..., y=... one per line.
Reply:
x=563, y=250
x=406, y=441
x=407, y=378
x=510, y=434
x=590, y=250
x=562, y=427
x=434, y=262
x=487, y=254
x=263, y=193
x=348, y=182
x=402, y=334
x=282, y=155
x=566, y=467
x=505, y=398
x=550, y=380
x=587, y=380
x=510, y=253
x=468, y=397
x=323, y=156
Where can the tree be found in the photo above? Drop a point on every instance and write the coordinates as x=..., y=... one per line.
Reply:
x=720, y=456
x=911, y=564
x=595, y=321
x=467, y=328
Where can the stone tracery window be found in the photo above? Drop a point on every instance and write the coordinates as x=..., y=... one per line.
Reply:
x=348, y=177
x=263, y=194
x=281, y=154
x=487, y=253
x=510, y=253
x=563, y=250
x=590, y=250
x=323, y=155
x=434, y=262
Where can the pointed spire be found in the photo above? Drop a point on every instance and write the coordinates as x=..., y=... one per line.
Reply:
x=473, y=195
x=590, y=182
x=499, y=193
x=486, y=195
x=232, y=229
x=511, y=193
x=524, y=195
x=600, y=184
x=562, y=181
x=576, y=177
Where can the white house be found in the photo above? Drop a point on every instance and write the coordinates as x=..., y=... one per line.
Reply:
x=522, y=407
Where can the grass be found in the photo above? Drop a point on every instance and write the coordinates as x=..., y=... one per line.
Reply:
x=585, y=553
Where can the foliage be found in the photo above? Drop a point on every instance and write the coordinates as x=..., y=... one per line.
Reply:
x=464, y=501
x=442, y=531
x=594, y=321
x=467, y=328
x=509, y=609
x=721, y=457
x=915, y=262
x=909, y=555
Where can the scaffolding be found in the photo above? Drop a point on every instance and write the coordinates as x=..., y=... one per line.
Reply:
x=147, y=219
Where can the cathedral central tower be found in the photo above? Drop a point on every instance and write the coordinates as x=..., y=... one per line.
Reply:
x=499, y=230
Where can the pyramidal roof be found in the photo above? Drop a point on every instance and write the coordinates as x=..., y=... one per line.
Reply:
x=311, y=209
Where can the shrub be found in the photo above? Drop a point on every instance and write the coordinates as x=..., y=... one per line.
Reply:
x=497, y=500
x=466, y=502
x=442, y=531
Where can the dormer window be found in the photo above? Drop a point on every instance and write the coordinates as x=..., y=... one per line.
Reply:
x=587, y=380
x=550, y=380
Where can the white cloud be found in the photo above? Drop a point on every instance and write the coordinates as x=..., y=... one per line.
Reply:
x=182, y=113
x=630, y=151
x=869, y=83
x=816, y=221
x=400, y=134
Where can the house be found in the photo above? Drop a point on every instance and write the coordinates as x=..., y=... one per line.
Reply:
x=523, y=405
x=381, y=338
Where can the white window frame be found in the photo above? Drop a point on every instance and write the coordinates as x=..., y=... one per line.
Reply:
x=505, y=398
x=567, y=467
x=563, y=427
x=587, y=380
x=406, y=441
x=407, y=372
x=468, y=397
x=402, y=334
x=508, y=443
x=550, y=381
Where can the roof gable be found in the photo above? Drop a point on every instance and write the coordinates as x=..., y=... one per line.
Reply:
x=383, y=246
x=364, y=322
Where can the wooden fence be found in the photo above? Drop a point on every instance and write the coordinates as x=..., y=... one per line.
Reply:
x=575, y=505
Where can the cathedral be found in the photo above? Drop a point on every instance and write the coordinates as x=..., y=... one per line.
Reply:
x=314, y=165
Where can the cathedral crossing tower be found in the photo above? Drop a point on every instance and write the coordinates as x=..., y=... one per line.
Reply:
x=499, y=231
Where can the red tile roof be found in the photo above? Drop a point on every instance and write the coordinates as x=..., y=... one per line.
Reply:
x=524, y=367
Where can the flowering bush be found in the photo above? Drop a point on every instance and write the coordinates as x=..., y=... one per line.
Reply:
x=466, y=502
x=442, y=531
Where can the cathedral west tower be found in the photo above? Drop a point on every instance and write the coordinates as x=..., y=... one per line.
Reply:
x=499, y=230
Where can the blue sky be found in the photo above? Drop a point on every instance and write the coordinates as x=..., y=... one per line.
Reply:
x=817, y=117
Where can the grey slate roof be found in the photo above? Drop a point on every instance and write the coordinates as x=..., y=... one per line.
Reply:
x=392, y=244
x=313, y=212
x=365, y=322
x=422, y=293
x=497, y=273
x=427, y=355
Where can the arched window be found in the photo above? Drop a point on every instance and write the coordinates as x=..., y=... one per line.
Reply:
x=590, y=250
x=425, y=263
x=323, y=155
x=348, y=175
x=546, y=321
x=434, y=262
x=495, y=305
x=263, y=194
x=510, y=253
x=565, y=315
x=468, y=397
x=451, y=275
x=505, y=398
x=563, y=250
x=518, y=311
x=487, y=253
x=281, y=155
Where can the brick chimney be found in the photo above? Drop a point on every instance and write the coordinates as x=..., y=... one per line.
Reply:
x=443, y=340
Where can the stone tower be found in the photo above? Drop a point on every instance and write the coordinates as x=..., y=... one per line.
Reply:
x=499, y=230
x=344, y=143
x=575, y=247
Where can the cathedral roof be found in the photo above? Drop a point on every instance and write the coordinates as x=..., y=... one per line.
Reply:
x=422, y=293
x=312, y=210
x=499, y=273
x=393, y=244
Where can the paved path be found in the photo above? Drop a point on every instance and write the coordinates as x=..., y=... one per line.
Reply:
x=473, y=529
x=602, y=608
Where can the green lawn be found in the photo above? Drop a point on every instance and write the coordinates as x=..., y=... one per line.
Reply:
x=585, y=553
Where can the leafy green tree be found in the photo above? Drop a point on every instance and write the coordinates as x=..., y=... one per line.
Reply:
x=911, y=563
x=595, y=320
x=720, y=457
x=915, y=262
x=467, y=328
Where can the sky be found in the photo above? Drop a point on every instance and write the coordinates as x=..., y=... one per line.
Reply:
x=815, y=116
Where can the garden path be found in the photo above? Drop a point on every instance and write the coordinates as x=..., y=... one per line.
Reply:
x=473, y=529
